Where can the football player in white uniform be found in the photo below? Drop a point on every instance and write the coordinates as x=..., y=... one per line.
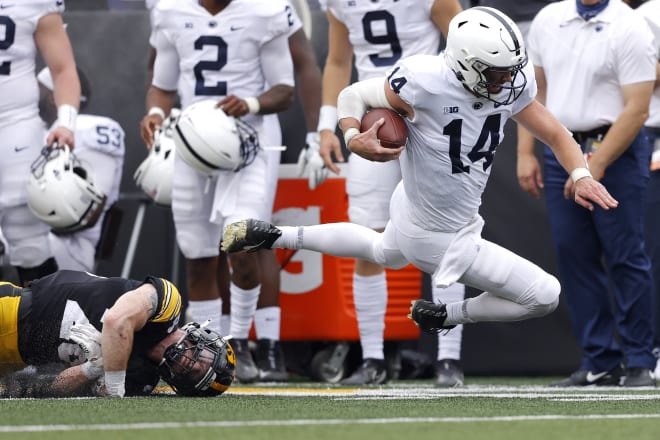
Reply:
x=380, y=34
x=456, y=105
x=236, y=52
x=26, y=27
x=100, y=146
x=267, y=319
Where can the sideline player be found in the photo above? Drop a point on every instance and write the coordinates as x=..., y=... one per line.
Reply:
x=236, y=52
x=100, y=146
x=25, y=29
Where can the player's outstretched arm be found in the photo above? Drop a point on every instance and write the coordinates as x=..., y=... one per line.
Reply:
x=71, y=382
x=129, y=314
x=542, y=124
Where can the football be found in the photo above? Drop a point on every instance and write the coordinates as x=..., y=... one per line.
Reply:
x=393, y=133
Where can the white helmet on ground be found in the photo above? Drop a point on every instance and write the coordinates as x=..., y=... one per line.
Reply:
x=155, y=173
x=61, y=191
x=209, y=140
x=482, y=40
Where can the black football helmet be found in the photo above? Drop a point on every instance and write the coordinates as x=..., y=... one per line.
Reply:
x=200, y=364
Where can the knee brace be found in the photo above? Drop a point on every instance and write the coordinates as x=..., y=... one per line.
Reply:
x=27, y=274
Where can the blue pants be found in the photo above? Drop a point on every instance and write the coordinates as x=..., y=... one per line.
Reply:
x=600, y=252
x=652, y=224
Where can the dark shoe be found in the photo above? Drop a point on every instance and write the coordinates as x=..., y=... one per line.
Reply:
x=371, y=372
x=270, y=361
x=638, y=377
x=582, y=378
x=448, y=374
x=428, y=316
x=246, y=370
x=249, y=235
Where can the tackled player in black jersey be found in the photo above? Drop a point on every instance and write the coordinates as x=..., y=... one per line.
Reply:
x=120, y=333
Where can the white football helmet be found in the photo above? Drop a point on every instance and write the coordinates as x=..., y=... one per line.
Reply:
x=61, y=191
x=209, y=140
x=155, y=173
x=483, y=41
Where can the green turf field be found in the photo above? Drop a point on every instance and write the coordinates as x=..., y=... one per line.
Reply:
x=487, y=408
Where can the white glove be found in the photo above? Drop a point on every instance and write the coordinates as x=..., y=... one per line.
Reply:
x=310, y=163
x=89, y=340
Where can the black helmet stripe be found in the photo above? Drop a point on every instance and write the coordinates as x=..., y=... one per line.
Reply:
x=506, y=25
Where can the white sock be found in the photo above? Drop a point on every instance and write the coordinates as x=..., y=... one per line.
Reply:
x=337, y=239
x=225, y=323
x=370, y=297
x=243, y=306
x=267, y=323
x=202, y=311
x=485, y=307
x=449, y=344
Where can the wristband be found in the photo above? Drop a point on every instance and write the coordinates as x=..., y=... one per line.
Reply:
x=114, y=383
x=580, y=173
x=155, y=110
x=327, y=118
x=349, y=134
x=66, y=116
x=252, y=105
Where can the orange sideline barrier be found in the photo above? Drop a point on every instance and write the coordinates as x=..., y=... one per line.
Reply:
x=317, y=298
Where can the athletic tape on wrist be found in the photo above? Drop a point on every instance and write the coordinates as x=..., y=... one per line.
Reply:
x=155, y=110
x=66, y=116
x=252, y=104
x=114, y=382
x=327, y=118
x=580, y=173
x=349, y=134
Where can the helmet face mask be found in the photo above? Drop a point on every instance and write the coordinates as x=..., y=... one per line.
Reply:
x=200, y=364
x=155, y=174
x=498, y=84
x=61, y=191
x=486, y=51
x=249, y=143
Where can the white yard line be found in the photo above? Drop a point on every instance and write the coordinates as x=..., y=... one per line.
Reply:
x=313, y=422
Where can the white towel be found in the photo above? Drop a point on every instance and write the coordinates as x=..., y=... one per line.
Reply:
x=460, y=254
